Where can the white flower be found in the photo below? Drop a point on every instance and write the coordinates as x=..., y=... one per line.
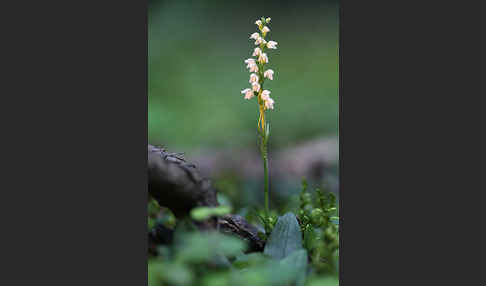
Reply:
x=268, y=20
x=265, y=95
x=269, y=103
x=254, y=68
x=255, y=86
x=265, y=30
x=272, y=44
x=248, y=93
x=258, y=22
x=253, y=78
x=254, y=36
x=262, y=58
x=256, y=52
x=268, y=74
x=259, y=40
x=250, y=62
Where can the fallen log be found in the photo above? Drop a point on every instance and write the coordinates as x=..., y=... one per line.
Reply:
x=177, y=185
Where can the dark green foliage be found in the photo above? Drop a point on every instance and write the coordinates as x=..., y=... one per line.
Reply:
x=159, y=215
x=210, y=258
x=301, y=250
x=320, y=227
x=153, y=210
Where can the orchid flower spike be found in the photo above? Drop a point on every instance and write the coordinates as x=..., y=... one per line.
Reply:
x=256, y=65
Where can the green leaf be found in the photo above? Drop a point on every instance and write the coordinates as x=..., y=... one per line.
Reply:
x=172, y=273
x=326, y=281
x=216, y=279
x=298, y=261
x=285, y=237
x=204, y=247
x=177, y=274
x=203, y=213
x=247, y=260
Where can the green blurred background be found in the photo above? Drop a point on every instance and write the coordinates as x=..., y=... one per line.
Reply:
x=196, y=73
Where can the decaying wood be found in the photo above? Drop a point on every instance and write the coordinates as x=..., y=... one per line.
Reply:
x=177, y=184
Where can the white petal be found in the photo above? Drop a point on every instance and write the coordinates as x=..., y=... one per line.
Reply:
x=255, y=86
x=254, y=36
x=265, y=95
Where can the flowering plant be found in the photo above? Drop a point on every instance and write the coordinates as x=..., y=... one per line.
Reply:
x=256, y=66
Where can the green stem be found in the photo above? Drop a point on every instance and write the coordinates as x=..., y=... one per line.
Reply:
x=265, y=173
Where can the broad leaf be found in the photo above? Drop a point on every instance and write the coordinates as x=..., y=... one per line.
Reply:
x=298, y=261
x=285, y=237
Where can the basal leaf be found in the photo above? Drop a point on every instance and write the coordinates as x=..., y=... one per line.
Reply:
x=298, y=261
x=285, y=237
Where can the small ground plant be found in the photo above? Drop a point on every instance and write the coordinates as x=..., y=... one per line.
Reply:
x=256, y=66
x=301, y=250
